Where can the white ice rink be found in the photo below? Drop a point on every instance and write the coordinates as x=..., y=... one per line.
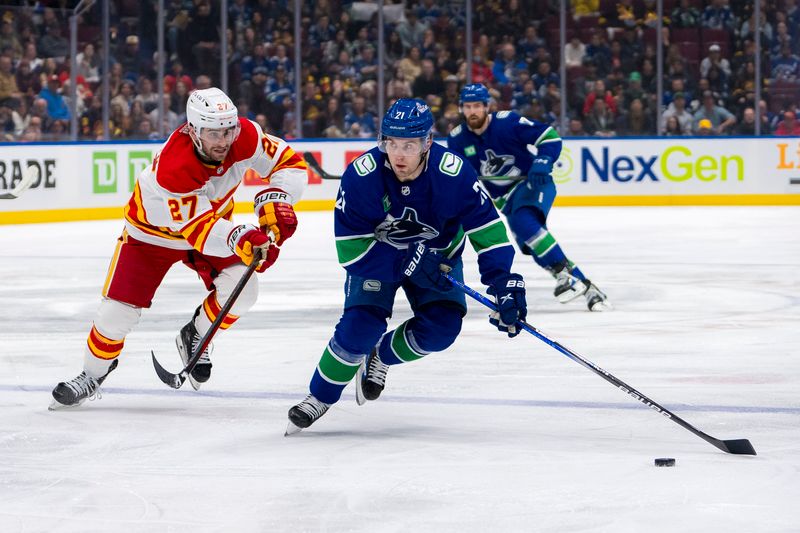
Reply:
x=494, y=435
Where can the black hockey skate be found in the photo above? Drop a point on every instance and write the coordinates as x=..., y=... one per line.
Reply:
x=187, y=342
x=568, y=287
x=371, y=378
x=305, y=413
x=596, y=300
x=74, y=392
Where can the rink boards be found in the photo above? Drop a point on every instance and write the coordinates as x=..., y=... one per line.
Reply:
x=93, y=180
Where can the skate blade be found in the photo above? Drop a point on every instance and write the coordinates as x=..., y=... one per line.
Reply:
x=195, y=384
x=568, y=296
x=362, y=371
x=291, y=429
x=601, y=306
x=58, y=406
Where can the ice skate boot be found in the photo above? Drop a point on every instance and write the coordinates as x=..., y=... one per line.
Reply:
x=187, y=342
x=596, y=300
x=305, y=413
x=74, y=392
x=568, y=287
x=371, y=378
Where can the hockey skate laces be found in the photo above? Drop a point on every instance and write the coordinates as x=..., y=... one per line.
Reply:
x=88, y=385
x=313, y=407
x=378, y=370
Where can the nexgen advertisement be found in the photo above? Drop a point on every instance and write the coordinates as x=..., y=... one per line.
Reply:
x=84, y=181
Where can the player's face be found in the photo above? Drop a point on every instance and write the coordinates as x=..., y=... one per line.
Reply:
x=217, y=143
x=475, y=114
x=404, y=155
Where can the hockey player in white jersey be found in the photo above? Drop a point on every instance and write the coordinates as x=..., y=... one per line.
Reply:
x=181, y=209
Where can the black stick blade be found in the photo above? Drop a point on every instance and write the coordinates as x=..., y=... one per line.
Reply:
x=173, y=380
x=739, y=447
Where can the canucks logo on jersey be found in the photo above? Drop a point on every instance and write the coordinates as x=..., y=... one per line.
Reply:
x=498, y=165
x=400, y=232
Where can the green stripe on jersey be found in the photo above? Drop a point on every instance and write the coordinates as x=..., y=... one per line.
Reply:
x=454, y=244
x=352, y=249
x=335, y=370
x=400, y=345
x=488, y=236
x=551, y=135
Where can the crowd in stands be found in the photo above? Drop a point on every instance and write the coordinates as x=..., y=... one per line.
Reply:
x=611, y=57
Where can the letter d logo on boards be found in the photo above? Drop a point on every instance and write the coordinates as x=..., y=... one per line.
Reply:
x=137, y=161
x=104, y=172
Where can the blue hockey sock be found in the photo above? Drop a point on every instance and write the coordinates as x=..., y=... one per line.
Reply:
x=546, y=251
x=335, y=370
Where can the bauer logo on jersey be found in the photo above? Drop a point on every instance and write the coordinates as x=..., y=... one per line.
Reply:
x=497, y=165
x=400, y=232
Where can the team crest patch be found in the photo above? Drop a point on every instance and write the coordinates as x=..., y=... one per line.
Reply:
x=400, y=232
x=469, y=151
x=372, y=285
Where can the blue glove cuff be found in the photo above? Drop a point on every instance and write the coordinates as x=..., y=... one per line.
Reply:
x=542, y=164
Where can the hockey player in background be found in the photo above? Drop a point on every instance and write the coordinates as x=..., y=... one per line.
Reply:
x=404, y=209
x=507, y=144
x=181, y=210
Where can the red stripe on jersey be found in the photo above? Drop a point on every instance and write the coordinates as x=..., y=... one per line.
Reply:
x=291, y=159
x=196, y=232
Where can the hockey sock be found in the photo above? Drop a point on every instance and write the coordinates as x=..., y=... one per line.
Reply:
x=211, y=310
x=546, y=251
x=335, y=370
x=100, y=352
x=398, y=346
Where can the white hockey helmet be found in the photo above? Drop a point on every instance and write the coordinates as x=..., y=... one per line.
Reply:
x=210, y=109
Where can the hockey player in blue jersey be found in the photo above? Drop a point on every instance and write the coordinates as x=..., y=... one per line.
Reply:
x=499, y=144
x=403, y=214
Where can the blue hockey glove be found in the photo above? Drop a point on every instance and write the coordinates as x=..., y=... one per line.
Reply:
x=424, y=268
x=540, y=170
x=509, y=294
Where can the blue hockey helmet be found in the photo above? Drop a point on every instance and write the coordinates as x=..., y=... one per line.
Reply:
x=475, y=92
x=407, y=118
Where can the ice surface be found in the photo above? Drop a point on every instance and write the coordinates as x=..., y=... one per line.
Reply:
x=494, y=434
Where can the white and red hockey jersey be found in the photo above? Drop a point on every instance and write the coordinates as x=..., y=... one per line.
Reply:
x=179, y=202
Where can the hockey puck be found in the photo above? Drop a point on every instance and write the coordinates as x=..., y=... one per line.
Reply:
x=665, y=461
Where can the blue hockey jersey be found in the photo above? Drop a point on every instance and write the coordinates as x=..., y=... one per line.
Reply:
x=377, y=217
x=502, y=150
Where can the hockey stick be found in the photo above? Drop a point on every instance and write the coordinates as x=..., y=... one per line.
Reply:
x=316, y=167
x=29, y=175
x=177, y=380
x=737, y=446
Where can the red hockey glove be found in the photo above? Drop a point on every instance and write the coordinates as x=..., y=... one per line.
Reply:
x=246, y=241
x=276, y=214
